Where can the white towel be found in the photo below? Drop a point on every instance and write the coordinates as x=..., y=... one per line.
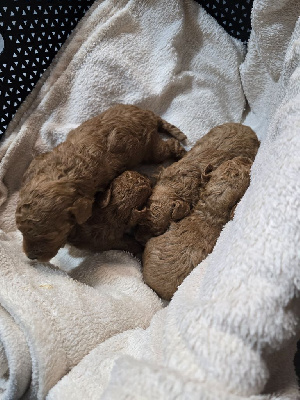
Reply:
x=52, y=321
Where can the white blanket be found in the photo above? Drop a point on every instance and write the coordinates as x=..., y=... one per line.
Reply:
x=231, y=328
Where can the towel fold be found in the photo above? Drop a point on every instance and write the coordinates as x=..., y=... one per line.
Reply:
x=15, y=361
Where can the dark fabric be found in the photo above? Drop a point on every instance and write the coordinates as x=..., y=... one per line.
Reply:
x=233, y=15
x=33, y=32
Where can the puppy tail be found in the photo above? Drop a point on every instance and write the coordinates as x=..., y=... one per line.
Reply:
x=166, y=127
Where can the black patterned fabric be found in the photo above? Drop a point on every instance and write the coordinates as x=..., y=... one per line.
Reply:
x=233, y=15
x=33, y=32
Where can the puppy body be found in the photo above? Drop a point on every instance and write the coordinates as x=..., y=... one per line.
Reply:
x=59, y=186
x=169, y=258
x=114, y=212
x=177, y=189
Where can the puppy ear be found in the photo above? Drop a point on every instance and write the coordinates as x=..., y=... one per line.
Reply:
x=180, y=209
x=82, y=209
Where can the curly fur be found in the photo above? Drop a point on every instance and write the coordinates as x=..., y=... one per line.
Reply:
x=169, y=258
x=114, y=213
x=59, y=186
x=177, y=189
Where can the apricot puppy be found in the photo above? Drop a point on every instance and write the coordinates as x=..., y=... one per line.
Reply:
x=114, y=213
x=60, y=185
x=169, y=258
x=177, y=189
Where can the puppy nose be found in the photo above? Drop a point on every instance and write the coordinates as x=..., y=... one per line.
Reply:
x=31, y=257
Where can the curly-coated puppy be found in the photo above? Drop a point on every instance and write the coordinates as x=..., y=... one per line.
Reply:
x=114, y=213
x=177, y=189
x=169, y=258
x=59, y=186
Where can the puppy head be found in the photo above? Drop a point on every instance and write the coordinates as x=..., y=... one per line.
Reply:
x=227, y=184
x=162, y=208
x=128, y=192
x=46, y=213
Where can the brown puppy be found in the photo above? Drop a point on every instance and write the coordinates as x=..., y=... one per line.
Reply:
x=60, y=185
x=169, y=258
x=177, y=189
x=114, y=212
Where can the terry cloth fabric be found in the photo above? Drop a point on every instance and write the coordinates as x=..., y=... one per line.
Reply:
x=50, y=321
x=230, y=330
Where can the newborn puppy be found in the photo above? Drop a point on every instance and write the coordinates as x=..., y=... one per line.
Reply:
x=59, y=186
x=169, y=258
x=114, y=212
x=177, y=189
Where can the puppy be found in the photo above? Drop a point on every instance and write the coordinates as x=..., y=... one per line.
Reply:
x=114, y=213
x=177, y=189
x=169, y=258
x=59, y=186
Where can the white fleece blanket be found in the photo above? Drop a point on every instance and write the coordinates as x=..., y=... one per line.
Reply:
x=231, y=328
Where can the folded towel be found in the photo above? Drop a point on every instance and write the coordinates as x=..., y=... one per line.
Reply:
x=273, y=24
x=15, y=361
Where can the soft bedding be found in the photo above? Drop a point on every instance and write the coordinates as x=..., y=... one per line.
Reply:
x=92, y=329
